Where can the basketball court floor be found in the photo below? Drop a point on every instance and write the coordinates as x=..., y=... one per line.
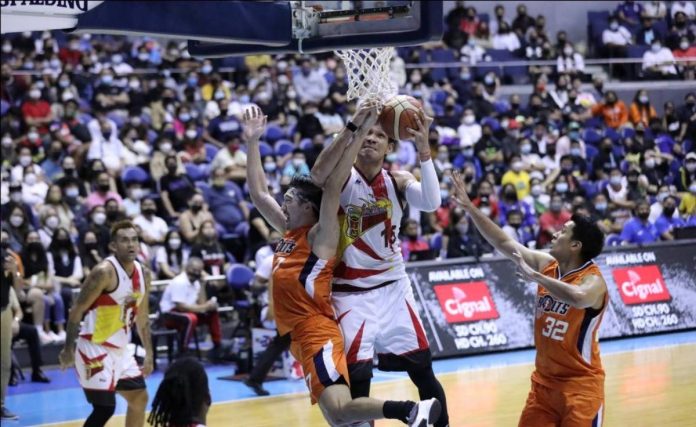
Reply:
x=651, y=381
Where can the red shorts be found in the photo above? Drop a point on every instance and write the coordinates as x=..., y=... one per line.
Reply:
x=550, y=408
x=317, y=344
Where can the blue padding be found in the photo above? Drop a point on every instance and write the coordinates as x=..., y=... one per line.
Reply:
x=430, y=29
x=240, y=21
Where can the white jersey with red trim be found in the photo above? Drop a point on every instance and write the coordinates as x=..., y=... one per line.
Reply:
x=370, y=217
x=109, y=320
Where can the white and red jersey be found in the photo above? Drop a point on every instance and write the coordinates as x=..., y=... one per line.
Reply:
x=370, y=217
x=109, y=320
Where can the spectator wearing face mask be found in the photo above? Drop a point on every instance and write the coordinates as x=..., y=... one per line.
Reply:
x=101, y=192
x=49, y=224
x=225, y=201
x=36, y=112
x=656, y=166
x=154, y=228
x=193, y=146
x=570, y=61
x=537, y=199
x=171, y=256
x=105, y=144
x=297, y=164
x=231, y=159
x=508, y=202
x=486, y=201
x=615, y=40
x=687, y=173
x=686, y=49
x=612, y=110
x=506, y=38
x=310, y=83
x=192, y=219
x=64, y=261
x=658, y=62
x=108, y=95
x=667, y=222
x=517, y=178
x=551, y=221
x=412, y=244
x=515, y=228
x=687, y=116
x=17, y=226
x=24, y=163
x=641, y=109
x=469, y=131
x=34, y=189
x=175, y=188
x=207, y=247
x=91, y=252
x=639, y=230
x=56, y=203
x=687, y=207
x=224, y=127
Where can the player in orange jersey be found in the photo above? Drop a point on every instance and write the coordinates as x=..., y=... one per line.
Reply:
x=302, y=272
x=568, y=382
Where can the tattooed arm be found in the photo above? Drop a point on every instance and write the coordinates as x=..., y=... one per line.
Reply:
x=143, y=323
x=101, y=279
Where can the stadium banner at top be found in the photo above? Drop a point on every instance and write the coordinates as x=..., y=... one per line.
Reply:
x=478, y=307
x=39, y=15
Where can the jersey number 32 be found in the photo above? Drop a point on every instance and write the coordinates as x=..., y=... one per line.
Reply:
x=554, y=329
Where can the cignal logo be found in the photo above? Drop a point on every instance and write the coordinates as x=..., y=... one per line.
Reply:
x=640, y=285
x=466, y=302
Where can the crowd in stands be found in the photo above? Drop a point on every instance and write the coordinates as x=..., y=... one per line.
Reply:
x=102, y=128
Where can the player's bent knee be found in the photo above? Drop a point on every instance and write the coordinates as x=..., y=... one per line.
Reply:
x=333, y=402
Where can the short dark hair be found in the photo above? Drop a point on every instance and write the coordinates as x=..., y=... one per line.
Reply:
x=589, y=234
x=307, y=190
x=121, y=225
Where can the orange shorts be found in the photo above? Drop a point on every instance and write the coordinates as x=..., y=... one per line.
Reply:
x=317, y=344
x=549, y=408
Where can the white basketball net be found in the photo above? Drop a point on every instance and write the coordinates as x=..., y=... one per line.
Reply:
x=368, y=73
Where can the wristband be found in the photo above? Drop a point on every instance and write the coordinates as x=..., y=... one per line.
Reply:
x=351, y=126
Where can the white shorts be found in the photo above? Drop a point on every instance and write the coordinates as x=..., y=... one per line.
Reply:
x=105, y=369
x=385, y=322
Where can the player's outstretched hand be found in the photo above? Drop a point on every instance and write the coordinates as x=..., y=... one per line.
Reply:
x=420, y=135
x=524, y=271
x=366, y=116
x=66, y=359
x=254, y=122
x=460, y=195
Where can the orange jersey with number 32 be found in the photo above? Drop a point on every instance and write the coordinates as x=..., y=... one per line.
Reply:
x=566, y=338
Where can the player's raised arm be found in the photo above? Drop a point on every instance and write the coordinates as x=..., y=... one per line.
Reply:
x=95, y=284
x=327, y=234
x=328, y=159
x=424, y=195
x=254, y=125
x=494, y=234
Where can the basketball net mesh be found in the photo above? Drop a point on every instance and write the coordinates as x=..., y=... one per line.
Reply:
x=368, y=73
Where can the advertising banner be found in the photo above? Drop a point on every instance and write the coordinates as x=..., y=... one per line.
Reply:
x=475, y=307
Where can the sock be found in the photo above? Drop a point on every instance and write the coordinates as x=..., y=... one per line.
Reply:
x=398, y=410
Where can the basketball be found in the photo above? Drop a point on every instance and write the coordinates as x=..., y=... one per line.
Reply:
x=398, y=114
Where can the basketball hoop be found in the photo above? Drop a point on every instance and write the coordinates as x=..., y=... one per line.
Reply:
x=368, y=73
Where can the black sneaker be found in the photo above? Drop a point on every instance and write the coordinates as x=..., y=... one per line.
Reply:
x=7, y=415
x=258, y=388
x=39, y=377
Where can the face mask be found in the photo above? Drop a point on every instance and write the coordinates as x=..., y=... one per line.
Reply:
x=72, y=192
x=643, y=215
x=444, y=194
x=219, y=95
x=489, y=80
x=25, y=160
x=99, y=218
x=615, y=180
x=166, y=147
x=269, y=167
x=191, y=134
x=64, y=83
x=16, y=220
x=656, y=47
x=526, y=149
x=468, y=152
x=568, y=51
x=117, y=59
x=149, y=211
x=34, y=94
x=486, y=210
x=556, y=206
x=52, y=222
x=415, y=79
x=103, y=187
x=465, y=76
x=196, y=208
x=691, y=166
x=643, y=99
x=192, y=81
x=206, y=69
x=29, y=65
x=614, y=26
x=171, y=168
x=684, y=45
x=692, y=188
x=469, y=119
x=107, y=79
x=443, y=157
x=137, y=193
x=33, y=136
x=650, y=163
x=536, y=190
x=184, y=117
x=6, y=48
x=30, y=179
x=516, y=166
x=562, y=187
x=297, y=163
x=661, y=196
x=575, y=152
x=668, y=212
x=601, y=206
x=175, y=244
x=134, y=84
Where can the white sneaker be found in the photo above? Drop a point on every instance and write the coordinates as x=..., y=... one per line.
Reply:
x=53, y=336
x=60, y=337
x=425, y=413
x=44, y=338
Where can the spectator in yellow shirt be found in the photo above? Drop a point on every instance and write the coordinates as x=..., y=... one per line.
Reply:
x=518, y=177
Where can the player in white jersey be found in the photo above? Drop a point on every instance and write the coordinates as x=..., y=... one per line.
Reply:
x=371, y=292
x=113, y=298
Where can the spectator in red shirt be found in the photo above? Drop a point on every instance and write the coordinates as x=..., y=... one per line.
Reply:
x=686, y=50
x=552, y=221
x=412, y=242
x=37, y=112
x=486, y=200
x=71, y=54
